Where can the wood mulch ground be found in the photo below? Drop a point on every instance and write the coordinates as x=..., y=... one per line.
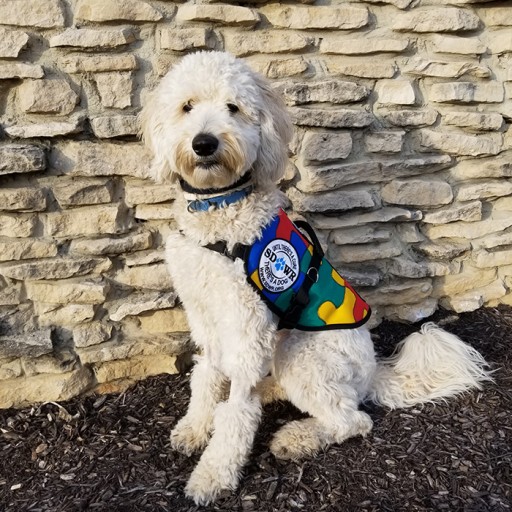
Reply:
x=112, y=453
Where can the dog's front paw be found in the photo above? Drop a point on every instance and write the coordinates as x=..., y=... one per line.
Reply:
x=207, y=481
x=186, y=439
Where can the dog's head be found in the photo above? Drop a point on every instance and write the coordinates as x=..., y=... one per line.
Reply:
x=211, y=119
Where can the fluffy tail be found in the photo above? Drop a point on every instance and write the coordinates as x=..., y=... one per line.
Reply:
x=427, y=366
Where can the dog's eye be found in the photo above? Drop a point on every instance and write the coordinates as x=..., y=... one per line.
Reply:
x=187, y=107
x=232, y=108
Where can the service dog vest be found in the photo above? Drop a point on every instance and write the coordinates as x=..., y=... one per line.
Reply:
x=295, y=279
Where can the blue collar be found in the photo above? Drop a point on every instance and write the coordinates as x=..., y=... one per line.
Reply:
x=203, y=205
x=201, y=200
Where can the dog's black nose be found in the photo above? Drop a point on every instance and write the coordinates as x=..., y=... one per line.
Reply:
x=205, y=144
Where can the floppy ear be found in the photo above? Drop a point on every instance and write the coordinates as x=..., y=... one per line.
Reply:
x=152, y=131
x=276, y=132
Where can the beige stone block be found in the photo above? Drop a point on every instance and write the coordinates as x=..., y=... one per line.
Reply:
x=17, y=225
x=47, y=97
x=496, y=258
x=225, y=14
x=12, y=42
x=151, y=277
x=388, y=214
x=184, y=39
x=457, y=144
x=144, y=257
x=46, y=130
x=327, y=177
x=363, y=252
x=500, y=167
x=164, y=321
x=404, y=292
x=500, y=41
x=401, y=4
x=10, y=294
x=417, y=192
x=10, y=369
x=46, y=364
x=143, y=192
x=23, y=248
x=27, y=344
x=45, y=388
x=412, y=312
x=467, y=92
x=112, y=245
x=154, y=211
x=89, y=334
x=483, y=190
x=326, y=91
x=115, y=89
x=469, y=230
x=137, y=303
x=36, y=13
x=280, y=68
x=77, y=291
x=444, y=248
x=366, y=46
x=83, y=191
x=426, y=67
x=438, y=19
x=89, y=159
x=409, y=233
x=135, y=367
x=91, y=38
x=21, y=158
x=404, y=117
x=467, y=212
x=502, y=204
x=338, y=200
x=395, y=92
x=338, y=118
x=70, y=314
x=475, y=298
x=10, y=70
x=474, y=120
x=323, y=147
x=384, y=142
x=56, y=268
x=264, y=41
x=458, y=45
x=492, y=241
x=22, y=199
x=495, y=16
x=116, y=10
x=107, y=127
x=360, y=235
x=94, y=220
x=405, y=267
x=352, y=66
x=341, y=17
x=162, y=63
x=97, y=63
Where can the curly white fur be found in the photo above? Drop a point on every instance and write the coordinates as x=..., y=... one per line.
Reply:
x=326, y=374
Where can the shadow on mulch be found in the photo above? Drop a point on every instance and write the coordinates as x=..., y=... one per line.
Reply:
x=111, y=453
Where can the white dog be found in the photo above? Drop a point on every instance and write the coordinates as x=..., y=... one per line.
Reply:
x=219, y=129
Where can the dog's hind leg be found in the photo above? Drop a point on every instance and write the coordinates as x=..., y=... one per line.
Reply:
x=235, y=425
x=335, y=418
x=193, y=431
x=269, y=390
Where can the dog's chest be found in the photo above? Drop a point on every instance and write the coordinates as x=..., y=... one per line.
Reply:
x=211, y=286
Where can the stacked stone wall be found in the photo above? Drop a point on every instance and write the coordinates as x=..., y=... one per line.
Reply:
x=402, y=159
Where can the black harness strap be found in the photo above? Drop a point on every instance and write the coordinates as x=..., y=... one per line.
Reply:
x=291, y=316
